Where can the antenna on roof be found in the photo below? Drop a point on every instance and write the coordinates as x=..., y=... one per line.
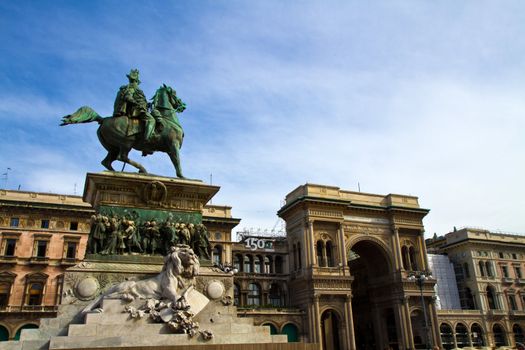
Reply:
x=6, y=177
x=358, y=186
x=75, y=189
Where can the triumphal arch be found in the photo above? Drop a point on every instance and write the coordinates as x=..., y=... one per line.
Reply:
x=354, y=259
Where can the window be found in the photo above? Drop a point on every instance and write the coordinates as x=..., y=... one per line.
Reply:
x=505, y=271
x=491, y=298
x=217, y=236
x=490, y=272
x=254, y=294
x=73, y=226
x=412, y=254
x=275, y=295
x=247, y=264
x=14, y=222
x=512, y=302
x=406, y=260
x=257, y=264
x=5, y=291
x=217, y=255
x=517, y=270
x=500, y=255
x=237, y=262
x=267, y=265
x=481, y=268
x=320, y=248
x=44, y=223
x=71, y=252
x=329, y=254
x=499, y=336
x=41, y=249
x=10, y=247
x=299, y=255
x=514, y=256
x=34, y=294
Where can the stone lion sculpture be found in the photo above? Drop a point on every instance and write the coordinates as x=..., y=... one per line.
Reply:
x=175, y=280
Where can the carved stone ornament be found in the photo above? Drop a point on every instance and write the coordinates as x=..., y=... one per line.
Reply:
x=215, y=290
x=170, y=297
x=87, y=288
x=155, y=193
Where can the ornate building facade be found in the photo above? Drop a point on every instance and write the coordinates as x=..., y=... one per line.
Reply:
x=41, y=235
x=490, y=274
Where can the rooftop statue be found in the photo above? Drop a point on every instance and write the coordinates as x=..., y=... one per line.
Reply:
x=137, y=124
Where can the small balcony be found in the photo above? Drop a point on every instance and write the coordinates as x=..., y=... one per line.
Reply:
x=39, y=260
x=69, y=261
x=8, y=259
x=520, y=281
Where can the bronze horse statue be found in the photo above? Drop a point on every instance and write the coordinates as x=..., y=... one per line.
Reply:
x=120, y=134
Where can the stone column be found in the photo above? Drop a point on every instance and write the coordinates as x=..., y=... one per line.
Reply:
x=408, y=322
x=344, y=259
x=434, y=323
x=318, y=335
x=396, y=248
x=423, y=251
x=349, y=320
x=401, y=325
x=311, y=246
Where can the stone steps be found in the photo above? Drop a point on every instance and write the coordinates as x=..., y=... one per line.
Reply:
x=79, y=342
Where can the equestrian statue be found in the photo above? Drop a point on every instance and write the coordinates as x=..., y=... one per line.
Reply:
x=137, y=124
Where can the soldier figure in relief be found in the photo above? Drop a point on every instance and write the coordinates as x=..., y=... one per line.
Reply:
x=131, y=102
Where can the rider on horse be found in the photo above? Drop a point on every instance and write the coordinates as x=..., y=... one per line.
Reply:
x=131, y=102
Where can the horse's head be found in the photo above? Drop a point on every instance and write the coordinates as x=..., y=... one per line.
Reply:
x=166, y=98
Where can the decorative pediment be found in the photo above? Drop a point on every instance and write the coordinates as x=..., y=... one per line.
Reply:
x=37, y=276
x=7, y=276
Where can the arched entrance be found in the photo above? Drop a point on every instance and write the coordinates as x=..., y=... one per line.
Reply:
x=4, y=333
x=273, y=329
x=417, y=320
x=330, y=329
x=374, y=318
x=19, y=331
x=292, y=332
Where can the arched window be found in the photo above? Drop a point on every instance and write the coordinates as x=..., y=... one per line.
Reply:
x=320, y=248
x=217, y=254
x=518, y=334
x=404, y=253
x=477, y=335
x=236, y=295
x=466, y=269
x=254, y=294
x=467, y=299
x=329, y=254
x=35, y=291
x=330, y=330
x=512, y=302
x=462, y=335
x=489, y=270
x=278, y=264
x=447, y=338
x=268, y=264
x=275, y=295
x=237, y=262
x=247, y=264
x=257, y=265
x=491, y=298
x=482, y=268
x=413, y=261
x=499, y=336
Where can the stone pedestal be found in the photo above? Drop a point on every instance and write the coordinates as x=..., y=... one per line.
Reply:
x=149, y=196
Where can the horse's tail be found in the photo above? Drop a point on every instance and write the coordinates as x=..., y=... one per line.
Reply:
x=83, y=115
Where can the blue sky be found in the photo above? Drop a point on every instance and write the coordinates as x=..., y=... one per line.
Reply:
x=413, y=97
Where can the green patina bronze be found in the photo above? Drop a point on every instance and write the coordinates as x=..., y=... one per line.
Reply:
x=143, y=215
x=136, y=124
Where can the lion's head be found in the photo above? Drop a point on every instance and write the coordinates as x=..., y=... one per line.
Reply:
x=182, y=261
